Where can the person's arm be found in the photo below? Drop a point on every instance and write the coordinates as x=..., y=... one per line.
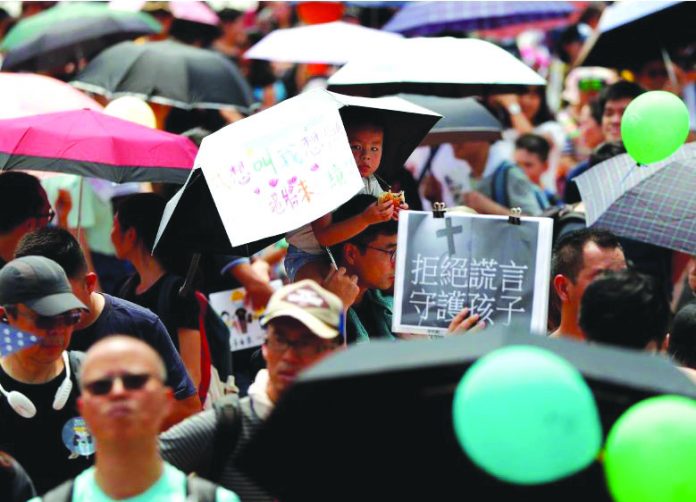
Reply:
x=465, y=323
x=258, y=288
x=483, y=204
x=329, y=233
x=342, y=285
x=188, y=446
x=190, y=350
x=519, y=121
x=182, y=409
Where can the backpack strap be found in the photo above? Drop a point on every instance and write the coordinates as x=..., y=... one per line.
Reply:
x=164, y=302
x=200, y=490
x=428, y=163
x=205, y=347
x=62, y=493
x=500, y=182
x=228, y=415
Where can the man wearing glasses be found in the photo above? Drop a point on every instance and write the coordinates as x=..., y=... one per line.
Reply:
x=40, y=423
x=23, y=207
x=124, y=402
x=303, y=323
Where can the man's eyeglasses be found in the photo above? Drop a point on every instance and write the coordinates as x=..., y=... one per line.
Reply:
x=391, y=253
x=279, y=344
x=70, y=318
x=50, y=215
x=130, y=381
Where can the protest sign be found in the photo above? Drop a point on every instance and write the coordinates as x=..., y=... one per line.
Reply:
x=243, y=322
x=498, y=269
x=280, y=169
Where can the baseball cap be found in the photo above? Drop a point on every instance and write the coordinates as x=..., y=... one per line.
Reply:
x=40, y=284
x=318, y=309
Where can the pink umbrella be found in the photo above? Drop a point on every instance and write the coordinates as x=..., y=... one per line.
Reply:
x=197, y=12
x=23, y=94
x=91, y=143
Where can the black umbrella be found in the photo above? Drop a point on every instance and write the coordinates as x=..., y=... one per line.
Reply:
x=69, y=32
x=464, y=119
x=631, y=33
x=169, y=73
x=194, y=219
x=374, y=422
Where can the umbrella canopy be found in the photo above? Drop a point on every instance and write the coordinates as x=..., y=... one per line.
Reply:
x=442, y=66
x=332, y=43
x=69, y=32
x=186, y=10
x=463, y=119
x=652, y=204
x=624, y=26
x=169, y=73
x=287, y=166
x=24, y=94
x=91, y=143
x=377, y=419
x=419, y=19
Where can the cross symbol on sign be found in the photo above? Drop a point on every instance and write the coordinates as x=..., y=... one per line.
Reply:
x=449, y=232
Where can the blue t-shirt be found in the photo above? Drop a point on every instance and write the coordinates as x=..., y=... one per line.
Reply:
x=170, y=487
x=125, y=318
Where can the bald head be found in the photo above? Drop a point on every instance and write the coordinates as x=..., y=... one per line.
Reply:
x=123, y=348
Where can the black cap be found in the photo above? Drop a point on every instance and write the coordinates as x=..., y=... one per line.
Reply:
x=40, y=284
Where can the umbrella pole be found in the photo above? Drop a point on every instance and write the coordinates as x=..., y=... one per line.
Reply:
x=188, y=282
x=79, y=209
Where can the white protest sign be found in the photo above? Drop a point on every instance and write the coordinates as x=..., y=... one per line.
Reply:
x=497, y=269
x=280, y=169
x=244, y=323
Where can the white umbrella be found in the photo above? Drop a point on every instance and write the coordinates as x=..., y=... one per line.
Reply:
x=333, y=43
x=439, y=66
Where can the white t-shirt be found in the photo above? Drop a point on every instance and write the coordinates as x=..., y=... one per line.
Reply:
x=304, y=237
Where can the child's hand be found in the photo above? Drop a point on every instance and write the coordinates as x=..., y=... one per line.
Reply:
x=401, y=207
x=378, y=212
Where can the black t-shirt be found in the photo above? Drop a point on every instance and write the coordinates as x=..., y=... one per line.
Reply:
x=180, y=312
x=38, y=443
x=126, y=318
x=15, y=485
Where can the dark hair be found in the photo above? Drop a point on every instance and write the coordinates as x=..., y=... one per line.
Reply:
x=21, y=198
x=142, y=212
x=353, y=207
x=535, y=144
x=682, y=339
x=623, y=89
x=606, y=151
x=567, y=258
x=624, y=308
x=352, y=117
x=544, y=113
x=57, y=244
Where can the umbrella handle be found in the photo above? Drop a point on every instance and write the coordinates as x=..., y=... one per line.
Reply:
x=187, y=287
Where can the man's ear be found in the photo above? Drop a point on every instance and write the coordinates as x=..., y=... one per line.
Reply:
x=91, y=281
x=264, y=351
x=560, y=284
x=350, y=251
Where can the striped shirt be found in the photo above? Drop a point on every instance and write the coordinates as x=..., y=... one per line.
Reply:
x=189, y=447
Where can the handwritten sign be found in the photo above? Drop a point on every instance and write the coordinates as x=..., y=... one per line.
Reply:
x=280, y=169
x=244, y=323
x=498, y=270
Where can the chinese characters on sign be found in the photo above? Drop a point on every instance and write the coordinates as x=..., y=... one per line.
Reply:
x=460, y=283
x=463, y=261
x=290, y=163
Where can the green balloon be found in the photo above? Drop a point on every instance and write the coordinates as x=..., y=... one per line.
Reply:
x=651, y=452
x=526, y=416
x=654, y=126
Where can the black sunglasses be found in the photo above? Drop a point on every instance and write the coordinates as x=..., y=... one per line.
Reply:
x=130, y=381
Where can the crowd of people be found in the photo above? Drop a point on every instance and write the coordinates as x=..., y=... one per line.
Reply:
x=114, y=401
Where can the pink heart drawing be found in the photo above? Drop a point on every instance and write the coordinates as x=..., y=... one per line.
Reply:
x=314, y=167
x=273, y=182
x=293, y=180
x=257, y=191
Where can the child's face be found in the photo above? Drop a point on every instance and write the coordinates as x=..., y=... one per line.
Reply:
x=531, y=164
x=366, y=144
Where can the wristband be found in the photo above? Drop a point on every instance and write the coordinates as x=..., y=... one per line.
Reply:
x=514, y=109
